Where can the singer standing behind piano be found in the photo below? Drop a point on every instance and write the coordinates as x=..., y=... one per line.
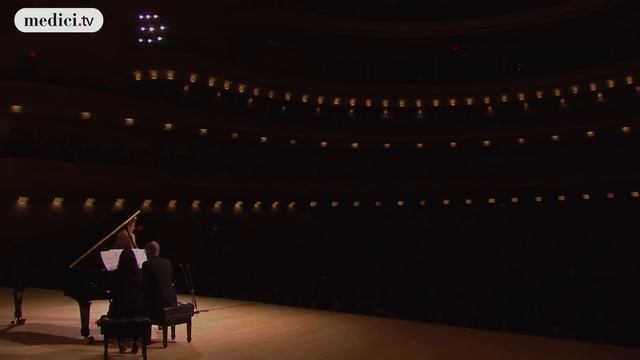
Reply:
x=126, y=239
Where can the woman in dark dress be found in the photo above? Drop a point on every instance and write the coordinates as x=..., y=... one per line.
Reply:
x=127, y=292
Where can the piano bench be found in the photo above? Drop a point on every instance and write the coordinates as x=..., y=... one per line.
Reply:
x=172, y=316
x=134, y=328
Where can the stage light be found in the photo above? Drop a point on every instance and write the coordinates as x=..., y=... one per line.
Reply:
x=586, y=197
x=453, y=144
x=368, y=102
x=468, y=201
x=486, y=100
x=22, y=202
x=563, y=102
x=400, y=203
x=600, y=97
x=423, y=202
x=283, y=109
x=237, y=206
x=305, y=98
x=171, y=74
x=287, y=96
x=195, y=205
x=515, y=200
x=167, y=127
x=401, y=103
x=89, y=203
x=292, y=142
x=561, y=198
x=538, y=198
x=539, y=94
x=153, y=74
x=57, y=202
x=356, y=203
x=557, y=92
x=320, y=100
x=385, y=103
x=555, y=137
x=234, y=135
x=354, y=145
x=292, y=205
x=436, y=102
x=84, y=115
x=521, y=97
x=275, y=204
x=256, y=205
x=504, y=98
x=140, y=17
x=151, y=28
x=263, y=139
x=159, y=38
x=385, y=114
x=419, y=145
x=334, y=204
x=611, y=195
x=146, y=204
x=446, y=202
x=162, y=27
x=148, y=16
x=591, y=134
x=489, y=110
x=522, y=141
x=387, y=145
x=453, y=102
x=491, y=200
x=419, y=103
x=149, y=40
x=625, y=129
x=378, y=203
x=256, y=91
x=593, y=86
x=575, y=89
x=336, y=101
x=611, y=83
x=486, y=143
x=203, y=131
x=217, y=206
x=118, y=204
x=140, y=40
x=172, y=204
x=313, y=203
x=323, y=144
x=155, y=16
x=15, y=109
x=635, y=194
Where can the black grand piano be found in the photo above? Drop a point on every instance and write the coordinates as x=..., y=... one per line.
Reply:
x=84, y=280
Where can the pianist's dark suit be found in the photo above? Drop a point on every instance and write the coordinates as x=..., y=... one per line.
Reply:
x=159, y=293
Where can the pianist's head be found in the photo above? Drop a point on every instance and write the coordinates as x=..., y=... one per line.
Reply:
x=152, y=249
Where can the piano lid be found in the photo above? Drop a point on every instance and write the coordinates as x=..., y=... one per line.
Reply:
x=98, y=246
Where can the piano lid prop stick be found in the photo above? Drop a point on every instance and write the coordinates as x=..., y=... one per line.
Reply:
x=104, y=239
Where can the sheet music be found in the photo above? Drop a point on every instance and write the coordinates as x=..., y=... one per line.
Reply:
x=110, y=258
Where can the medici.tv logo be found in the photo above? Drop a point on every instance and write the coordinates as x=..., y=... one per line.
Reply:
x=58, y=20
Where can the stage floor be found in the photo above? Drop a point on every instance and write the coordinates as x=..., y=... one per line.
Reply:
x=235, y=329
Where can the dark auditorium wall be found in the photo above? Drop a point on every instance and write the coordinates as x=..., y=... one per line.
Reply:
x=562, y=269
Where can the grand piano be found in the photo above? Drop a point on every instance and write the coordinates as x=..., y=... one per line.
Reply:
x=84, y=280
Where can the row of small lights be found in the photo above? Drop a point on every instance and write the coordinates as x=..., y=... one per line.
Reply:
x=84, y=115
x=90, y=203
x=385, y=103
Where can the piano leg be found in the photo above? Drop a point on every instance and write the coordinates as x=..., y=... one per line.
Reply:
x=85, y=312
x=17, y=304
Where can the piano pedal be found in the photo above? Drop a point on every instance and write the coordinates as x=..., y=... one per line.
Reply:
x=18, y=321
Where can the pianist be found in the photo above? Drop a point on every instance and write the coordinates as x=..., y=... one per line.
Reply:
x=157, y=275
x=126, y=239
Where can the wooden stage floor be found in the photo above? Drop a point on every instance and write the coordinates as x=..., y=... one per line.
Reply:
x=244, y=330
